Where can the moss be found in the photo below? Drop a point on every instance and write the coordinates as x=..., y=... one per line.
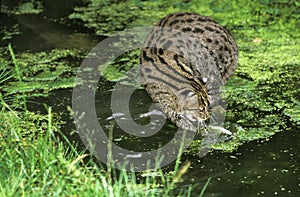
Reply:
x=32, y=7
x=115, y=70
x=44, y=71
x=109, y=17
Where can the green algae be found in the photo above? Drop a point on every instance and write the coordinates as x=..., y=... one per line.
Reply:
x=108, y=17
x=43, y=71
x=23, y=7
x=116, y=69
x=262, y=97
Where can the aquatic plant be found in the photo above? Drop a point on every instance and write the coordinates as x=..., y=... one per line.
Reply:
x=42, y=72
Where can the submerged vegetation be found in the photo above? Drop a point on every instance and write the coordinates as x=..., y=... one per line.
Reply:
x=262, y=96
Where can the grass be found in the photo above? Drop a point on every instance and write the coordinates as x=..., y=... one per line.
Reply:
x=36, y=162
x=17, y=73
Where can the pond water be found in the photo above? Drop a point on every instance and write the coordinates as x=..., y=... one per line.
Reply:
x=44, y=32
x=266, y=168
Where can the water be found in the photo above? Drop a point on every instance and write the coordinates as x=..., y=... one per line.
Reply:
x=258, y=168
x=266, y=168
x=41, y=32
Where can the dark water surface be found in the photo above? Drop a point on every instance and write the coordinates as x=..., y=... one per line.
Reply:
x=269, y=168
x=45, y=32
x=265, y=168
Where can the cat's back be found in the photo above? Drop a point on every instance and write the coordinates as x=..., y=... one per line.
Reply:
x=185, y=59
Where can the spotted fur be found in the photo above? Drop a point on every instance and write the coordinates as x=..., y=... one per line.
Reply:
x=185, y=60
